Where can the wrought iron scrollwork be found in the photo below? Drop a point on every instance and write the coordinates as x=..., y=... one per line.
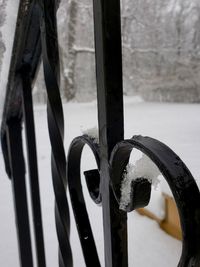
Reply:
x=111, y=154
x=77, y=198
x=180, y=180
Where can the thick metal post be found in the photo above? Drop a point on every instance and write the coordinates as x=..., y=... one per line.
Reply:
x=15, y=150
x=33, y=168
x=110, y=117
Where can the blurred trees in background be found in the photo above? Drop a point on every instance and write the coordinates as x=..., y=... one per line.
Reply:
x=161, y=50
x=2, y=21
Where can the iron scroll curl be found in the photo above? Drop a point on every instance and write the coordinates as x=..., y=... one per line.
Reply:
x=180, y=180
x=77, y=198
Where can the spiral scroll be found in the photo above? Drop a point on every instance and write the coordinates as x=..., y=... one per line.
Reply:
x=76, y=194
x=56, y=131
x=180, y=180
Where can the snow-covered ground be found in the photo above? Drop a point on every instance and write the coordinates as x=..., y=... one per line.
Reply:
x=178, y=125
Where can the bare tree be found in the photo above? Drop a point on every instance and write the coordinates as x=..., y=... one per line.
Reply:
x=2, y=20
x=67, y=44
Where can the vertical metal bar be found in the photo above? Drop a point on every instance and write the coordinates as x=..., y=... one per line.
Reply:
x=110, y=116
x=15, y=150
x=33, y=168
x=56, y=129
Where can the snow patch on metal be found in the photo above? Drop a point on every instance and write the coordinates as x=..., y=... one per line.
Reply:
x=143, y=168
x=93, y=133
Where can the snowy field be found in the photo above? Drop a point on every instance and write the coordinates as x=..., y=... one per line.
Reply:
x=178, y=125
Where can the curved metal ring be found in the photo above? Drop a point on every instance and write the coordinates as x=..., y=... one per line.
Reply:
x=77, y=198
x=181, y=182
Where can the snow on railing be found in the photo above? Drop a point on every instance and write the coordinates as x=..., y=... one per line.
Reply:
x=92, y=133
x=144, y=168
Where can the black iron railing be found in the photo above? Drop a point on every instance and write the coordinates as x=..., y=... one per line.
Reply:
x=36, y=37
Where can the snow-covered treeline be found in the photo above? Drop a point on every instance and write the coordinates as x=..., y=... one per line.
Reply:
x=161, y=50
x=2, y=21
x=8, y=14
x=161, y=42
